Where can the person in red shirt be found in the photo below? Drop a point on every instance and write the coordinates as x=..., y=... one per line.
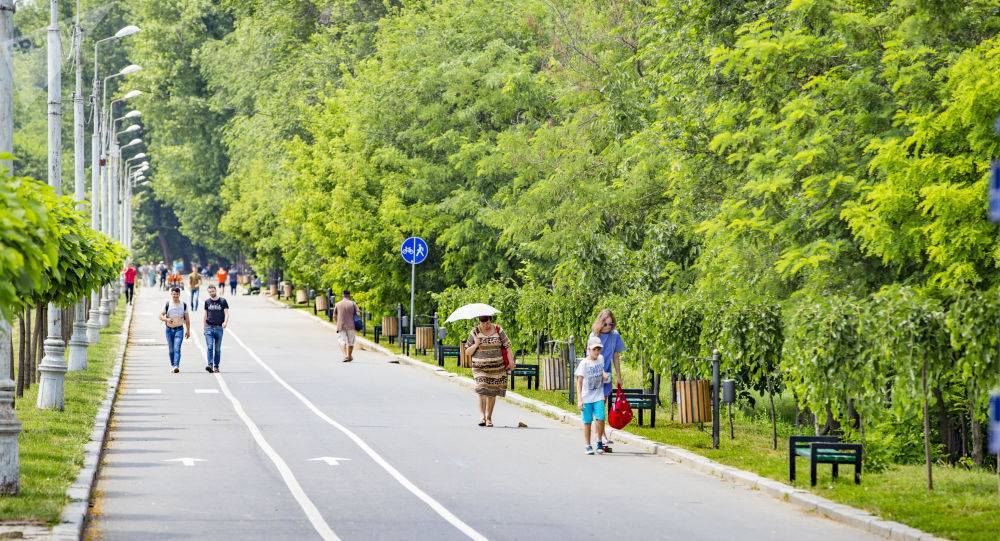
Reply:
x=129, y=282
x=221, y=277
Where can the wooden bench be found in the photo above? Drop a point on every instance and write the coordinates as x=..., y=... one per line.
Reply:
x=449, y=351
x=823, y=450
x=640, y=400
x=529, y=371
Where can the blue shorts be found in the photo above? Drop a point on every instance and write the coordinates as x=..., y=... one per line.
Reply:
x=593, y=410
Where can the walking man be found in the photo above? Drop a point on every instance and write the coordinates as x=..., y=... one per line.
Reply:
x=216, y=319
x=345, y=311
x=175, y=317
x=130, y=273
x=221, y=277
x=194, y=281
x=162, y=270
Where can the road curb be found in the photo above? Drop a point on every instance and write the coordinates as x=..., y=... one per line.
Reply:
x=81, y=492
x=845, y=514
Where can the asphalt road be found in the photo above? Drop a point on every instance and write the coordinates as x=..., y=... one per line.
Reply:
x=287, y=442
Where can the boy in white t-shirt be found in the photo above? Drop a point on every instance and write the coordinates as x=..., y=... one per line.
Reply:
x=590, y=378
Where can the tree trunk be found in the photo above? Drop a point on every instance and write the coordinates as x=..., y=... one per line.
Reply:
x=927, y=427
x=978, y=456
x=39, y=341
x=774, y=418
x=774, y=423
x=168, y=255
x=21, y=338
x=946, y=428
x=673, y=393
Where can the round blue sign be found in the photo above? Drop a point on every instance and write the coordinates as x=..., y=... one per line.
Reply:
x=414, y=250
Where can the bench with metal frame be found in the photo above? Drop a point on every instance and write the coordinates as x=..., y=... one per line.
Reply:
x=449, y=351
x=824, y=450
x=407, y=340
x=640, y=400
x=529, y=371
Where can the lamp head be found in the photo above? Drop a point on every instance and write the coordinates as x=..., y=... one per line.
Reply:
x=133, y=142
x=130, y=69
x=132, y=94
x=133, y=114
x=139, y=156
x=127, y=31
x=132, y=128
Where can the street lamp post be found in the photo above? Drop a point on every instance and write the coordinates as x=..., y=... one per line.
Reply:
x=98, y=317
x=79, y=341
x=10, y=427
x=52, y=369
x=113, y=290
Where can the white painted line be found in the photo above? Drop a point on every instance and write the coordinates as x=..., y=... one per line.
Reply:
x=330, y=460
x=308, y=507
x=426, y=498
x=147, y=391
x=186, y=461
x=206, y=391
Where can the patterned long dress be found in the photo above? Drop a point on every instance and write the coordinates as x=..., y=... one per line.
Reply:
x=487, y=363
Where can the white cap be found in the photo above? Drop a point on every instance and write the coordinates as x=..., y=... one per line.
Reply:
x=594, y=342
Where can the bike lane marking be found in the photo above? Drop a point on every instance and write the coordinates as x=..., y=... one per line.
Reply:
x=308, y=507
x=436, y=506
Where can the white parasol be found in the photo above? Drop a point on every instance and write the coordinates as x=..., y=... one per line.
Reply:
x=472, y=311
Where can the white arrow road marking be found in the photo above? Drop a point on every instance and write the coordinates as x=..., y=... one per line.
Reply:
x=206, y=391
x=443, y=512
x=308, y=507
x=147, y=391
x=186, y=461
x=330, y=460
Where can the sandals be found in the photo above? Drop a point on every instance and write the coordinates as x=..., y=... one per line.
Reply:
x=482, y=423
x=489, y=424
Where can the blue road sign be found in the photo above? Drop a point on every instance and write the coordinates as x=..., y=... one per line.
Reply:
x=995, y=423
x=994, y=194
x=414, y=250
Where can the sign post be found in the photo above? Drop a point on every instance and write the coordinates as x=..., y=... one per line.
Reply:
x=414, y=252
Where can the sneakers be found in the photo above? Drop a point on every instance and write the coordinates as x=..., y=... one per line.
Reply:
x=600, y=448
x=590, y=450
x=208, y=369
x=176, y=370
x=216, y=370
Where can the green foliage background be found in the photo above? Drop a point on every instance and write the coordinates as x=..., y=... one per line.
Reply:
x=799, y=183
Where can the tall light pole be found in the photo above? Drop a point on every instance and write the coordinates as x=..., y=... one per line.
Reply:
x=79, y=341
x=52, y=369
x=98, y=318
x=10, y=427
x=110, y=298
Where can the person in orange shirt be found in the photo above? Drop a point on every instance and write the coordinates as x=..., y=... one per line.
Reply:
x=221, y=277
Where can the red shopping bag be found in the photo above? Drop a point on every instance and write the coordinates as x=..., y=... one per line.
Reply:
x=621, y=411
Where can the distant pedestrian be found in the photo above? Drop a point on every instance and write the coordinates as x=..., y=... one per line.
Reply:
x=162, y=270
x=488, y=342
x=590, y=379
x=216, y=320
x=220, y=276
x=612, y=346
x=347, y=332
x=194, y=282
x=232, y=282
x=178, y=324
x=129, y=274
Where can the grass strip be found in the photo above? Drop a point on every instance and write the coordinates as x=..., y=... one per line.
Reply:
x=51, y=442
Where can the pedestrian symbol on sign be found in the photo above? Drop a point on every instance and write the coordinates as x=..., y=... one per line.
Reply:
x=414, y=250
